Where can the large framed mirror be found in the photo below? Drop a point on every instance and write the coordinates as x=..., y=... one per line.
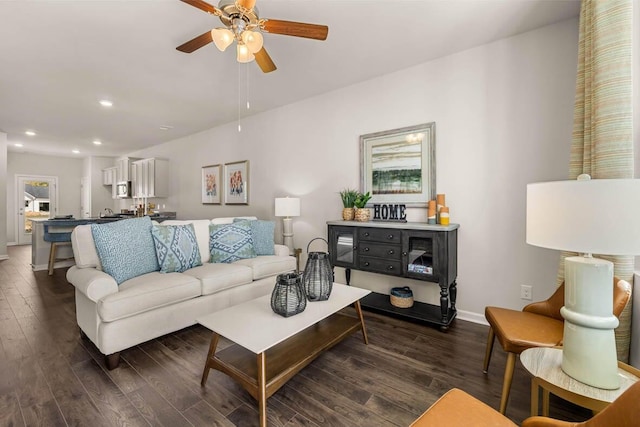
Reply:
x=398, y=166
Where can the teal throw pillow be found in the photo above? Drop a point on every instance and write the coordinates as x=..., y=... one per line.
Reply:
x=176, y=247
x=230, y=242
x=125, y=248
x=262, y=233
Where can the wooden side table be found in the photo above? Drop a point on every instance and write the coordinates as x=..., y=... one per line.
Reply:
x=544, y=365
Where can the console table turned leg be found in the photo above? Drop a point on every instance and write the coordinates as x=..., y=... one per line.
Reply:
x=112, y=360
x=444, y=306
x=453, y=294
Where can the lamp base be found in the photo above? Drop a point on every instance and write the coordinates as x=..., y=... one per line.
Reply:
x=589, y=349
x=287, y=233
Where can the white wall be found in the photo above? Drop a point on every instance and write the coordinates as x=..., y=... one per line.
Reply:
x=67, y=169
x=3, y=195
x=101, y=195
x=503, y=114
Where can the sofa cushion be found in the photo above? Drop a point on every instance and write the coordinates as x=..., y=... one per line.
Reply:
x=217, y=277
x=84, y=247
x=262, y=233
x=268, y=265
x=231, y=242
x=126, y=248
x=230, y=219
x=176, y=247
x=147, y=292
x=201, y=228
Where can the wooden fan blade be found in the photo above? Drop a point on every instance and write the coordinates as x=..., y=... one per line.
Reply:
x=196, y=43
x=202, y=5
x=247, y=4
x=297, y=29
x=264, y=61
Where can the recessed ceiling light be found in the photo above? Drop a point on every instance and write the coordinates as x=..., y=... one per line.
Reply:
x=75, y=151
x=18, y=144
x=30, y=133
x=106, y=103
x=96, y=142
x=166, y=127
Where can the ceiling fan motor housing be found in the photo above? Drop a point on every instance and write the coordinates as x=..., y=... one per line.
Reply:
x=230, y=13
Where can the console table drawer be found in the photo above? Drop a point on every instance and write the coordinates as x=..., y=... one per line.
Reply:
x=380, y=265
x=380, y=235
x=380, y=250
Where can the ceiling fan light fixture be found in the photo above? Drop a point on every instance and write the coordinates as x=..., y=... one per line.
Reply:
x=244, y=54
x=222, y=37
x=253, y=40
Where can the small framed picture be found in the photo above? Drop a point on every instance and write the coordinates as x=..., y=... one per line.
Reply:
x=236, y=177
x=211, y=185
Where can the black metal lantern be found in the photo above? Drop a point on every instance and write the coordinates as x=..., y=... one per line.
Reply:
x=288, y=296
x=317, y=278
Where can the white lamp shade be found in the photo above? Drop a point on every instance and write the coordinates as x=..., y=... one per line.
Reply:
x=244, y=54
x=599, y=216
x=253, y=40
x=222, y=37
x=287, y=206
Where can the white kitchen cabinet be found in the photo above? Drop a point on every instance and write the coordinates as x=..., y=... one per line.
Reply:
x=109, y=176
x=150, y=178
x=123, y=167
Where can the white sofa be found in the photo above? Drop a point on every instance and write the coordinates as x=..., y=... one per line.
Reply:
x=115, y=317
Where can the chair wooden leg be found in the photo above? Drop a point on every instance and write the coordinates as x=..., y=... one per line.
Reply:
x=112, y=360
x=487, y=355
x=508, y=378
x=52, y=257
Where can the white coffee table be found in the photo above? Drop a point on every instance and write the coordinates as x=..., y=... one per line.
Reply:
x=270, y=349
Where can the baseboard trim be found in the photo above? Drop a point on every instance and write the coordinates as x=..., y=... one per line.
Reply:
x=470, y=316
x=59, y=264
x=4, y=257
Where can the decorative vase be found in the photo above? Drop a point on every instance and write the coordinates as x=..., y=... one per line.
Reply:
x=288, y=298
x=317, y=279
x=348, y=214
x=362, y=214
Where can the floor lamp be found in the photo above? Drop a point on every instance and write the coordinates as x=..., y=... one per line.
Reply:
x=600, y=216
x=287, y=207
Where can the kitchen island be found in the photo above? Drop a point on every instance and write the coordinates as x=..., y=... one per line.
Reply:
x=40, y=248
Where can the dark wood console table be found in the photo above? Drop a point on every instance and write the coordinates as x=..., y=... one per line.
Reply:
x=412, y=250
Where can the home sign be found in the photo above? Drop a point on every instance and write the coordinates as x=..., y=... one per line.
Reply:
x=389, y=212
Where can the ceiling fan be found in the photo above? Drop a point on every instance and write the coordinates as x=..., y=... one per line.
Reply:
x=243, y=24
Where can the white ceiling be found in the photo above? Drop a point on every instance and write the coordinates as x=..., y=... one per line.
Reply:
x=58, y=58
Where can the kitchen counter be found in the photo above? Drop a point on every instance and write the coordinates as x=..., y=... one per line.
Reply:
x=40, y=248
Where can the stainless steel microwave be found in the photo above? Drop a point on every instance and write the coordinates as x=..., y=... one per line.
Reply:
x=123, y=190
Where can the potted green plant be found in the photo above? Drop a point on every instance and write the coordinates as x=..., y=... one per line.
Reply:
x=362, y=214
x=348, y=197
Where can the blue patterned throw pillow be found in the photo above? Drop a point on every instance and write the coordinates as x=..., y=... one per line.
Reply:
x=176, y=247
x=262, y=233
x=125, y=248
x=230, y=242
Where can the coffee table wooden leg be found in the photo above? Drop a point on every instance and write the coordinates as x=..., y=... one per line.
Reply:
x=545, y=402
x=262, y=388
x=364, y=329
x=212, y=352
x=534, y=397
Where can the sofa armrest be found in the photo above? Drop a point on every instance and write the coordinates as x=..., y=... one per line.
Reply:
x=281, y=250
x=93, y=283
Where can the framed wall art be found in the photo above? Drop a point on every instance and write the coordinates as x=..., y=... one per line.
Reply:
x=236, y=176
x=211, y=185
x=399, y=165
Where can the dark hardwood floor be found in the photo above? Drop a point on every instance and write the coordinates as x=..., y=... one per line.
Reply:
x=50, y=376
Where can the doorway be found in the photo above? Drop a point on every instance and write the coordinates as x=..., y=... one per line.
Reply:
x=36, y=199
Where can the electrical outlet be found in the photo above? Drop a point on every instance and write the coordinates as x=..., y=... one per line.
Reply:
x=525, y=292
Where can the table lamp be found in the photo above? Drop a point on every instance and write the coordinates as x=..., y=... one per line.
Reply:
x=287, y=207
x=600, y=216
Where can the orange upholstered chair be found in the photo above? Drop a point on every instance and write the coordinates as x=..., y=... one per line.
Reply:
x=538, y=325
x=459, y=409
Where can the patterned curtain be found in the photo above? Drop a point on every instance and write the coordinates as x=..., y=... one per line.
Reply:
x=602, y=142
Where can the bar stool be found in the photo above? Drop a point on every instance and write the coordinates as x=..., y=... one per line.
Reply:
x=57, y=239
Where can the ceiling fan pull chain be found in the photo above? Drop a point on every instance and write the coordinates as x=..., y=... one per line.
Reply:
x=239, y=97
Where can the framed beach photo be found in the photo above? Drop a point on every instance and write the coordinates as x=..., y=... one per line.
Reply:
x=211, y=185
x=236, y=176
x=399, y=166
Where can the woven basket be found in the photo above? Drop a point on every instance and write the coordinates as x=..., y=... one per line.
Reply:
x=401, y=297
